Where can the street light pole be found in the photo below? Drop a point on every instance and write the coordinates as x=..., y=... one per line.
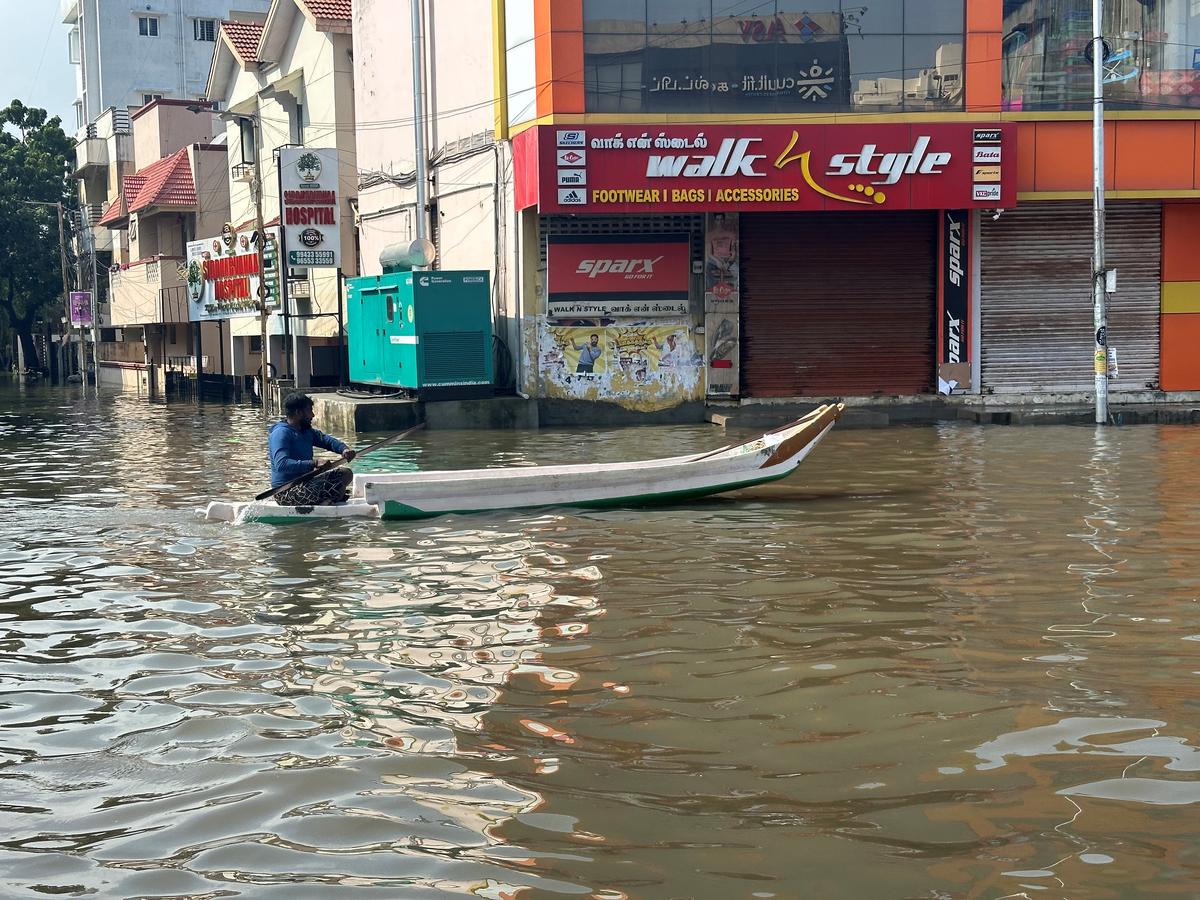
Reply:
x=62, y=255
x=1099, y=313
x=260, y=244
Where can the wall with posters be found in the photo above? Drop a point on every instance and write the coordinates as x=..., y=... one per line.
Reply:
x=722, y=302
x=646, y=366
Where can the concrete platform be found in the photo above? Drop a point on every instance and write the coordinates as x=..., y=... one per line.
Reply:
x=342, y=413
x=1126, y=408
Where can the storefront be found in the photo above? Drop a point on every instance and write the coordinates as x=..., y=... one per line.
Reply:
x=1036, y=329
x=823, y=258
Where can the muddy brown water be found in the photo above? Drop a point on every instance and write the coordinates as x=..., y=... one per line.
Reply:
x=952, y=661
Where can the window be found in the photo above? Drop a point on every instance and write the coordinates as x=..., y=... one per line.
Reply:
x=204, y=29
x=249, y=147
x=147, y=99
x=73, y=48
x=256, y=343
x=148, y=26
x=79, y=122
x=1152, y=54
x=749, y=56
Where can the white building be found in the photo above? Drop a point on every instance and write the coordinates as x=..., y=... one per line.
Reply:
x=127, y=54
x=289, y=81
x=470, y=215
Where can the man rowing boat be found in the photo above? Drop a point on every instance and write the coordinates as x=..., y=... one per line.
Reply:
x=290, y=443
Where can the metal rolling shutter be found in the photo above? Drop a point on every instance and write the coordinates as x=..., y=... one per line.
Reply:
x=838, y=304
x=1036, y=301
x=666, y=224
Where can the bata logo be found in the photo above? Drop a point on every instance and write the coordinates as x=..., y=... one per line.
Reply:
x=953, y=338
x=956, y=269
x=730, y=159
x=631, y=269
x=890, y=166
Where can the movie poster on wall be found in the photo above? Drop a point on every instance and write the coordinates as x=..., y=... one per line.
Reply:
x=640, y=366
x=722, y=347
x=722, y=269
x=575, y=353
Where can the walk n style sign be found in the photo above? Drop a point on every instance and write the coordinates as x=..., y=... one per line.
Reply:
x=766, y=168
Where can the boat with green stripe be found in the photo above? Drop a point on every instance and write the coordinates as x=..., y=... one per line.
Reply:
x=418, y=495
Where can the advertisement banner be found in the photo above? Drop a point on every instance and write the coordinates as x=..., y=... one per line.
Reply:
x=722, y=272
x=722, y=348
x=954, y=371
x=81, y=308
x=310, y=211
x=223, y=278
x=618, y=275
x=770, y=167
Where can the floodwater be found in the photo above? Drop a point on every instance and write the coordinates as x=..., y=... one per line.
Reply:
x=955, y=661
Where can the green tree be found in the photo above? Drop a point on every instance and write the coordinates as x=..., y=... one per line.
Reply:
x=34, y=152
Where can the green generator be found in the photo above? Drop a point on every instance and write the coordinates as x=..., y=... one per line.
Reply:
x=427, y=332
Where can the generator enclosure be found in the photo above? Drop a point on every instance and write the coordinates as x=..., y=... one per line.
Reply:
x=428, y=332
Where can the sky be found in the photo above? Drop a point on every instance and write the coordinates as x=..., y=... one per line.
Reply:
x=33, y=58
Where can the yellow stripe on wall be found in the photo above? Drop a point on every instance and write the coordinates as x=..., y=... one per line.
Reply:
x=1181, y=297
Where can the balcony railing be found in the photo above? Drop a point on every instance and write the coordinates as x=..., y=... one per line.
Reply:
x=149, y=292
x=242, y=171
x=91, y=152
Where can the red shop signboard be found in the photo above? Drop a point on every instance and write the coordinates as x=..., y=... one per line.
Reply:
x=618, y=274
x=766, y=168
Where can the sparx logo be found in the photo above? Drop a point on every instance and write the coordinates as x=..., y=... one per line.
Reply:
x=882, y=168
x=631, y=269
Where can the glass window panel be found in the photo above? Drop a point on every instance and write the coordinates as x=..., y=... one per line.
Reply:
x=738, y=9
x=932, y=16
x=625, y=11
x=933, y=71
x=879, y=16
x=877, y=72
x=665, y=13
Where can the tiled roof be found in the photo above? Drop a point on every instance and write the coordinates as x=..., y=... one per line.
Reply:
x=167, y=182
x=115, y=212
x=341, y=10
x=245, y=37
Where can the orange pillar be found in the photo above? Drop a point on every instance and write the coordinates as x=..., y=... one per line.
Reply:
x=558, y=49
x=982, y=63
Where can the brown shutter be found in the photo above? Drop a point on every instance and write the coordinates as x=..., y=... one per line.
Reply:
x=838, y=304
x=1036, y=301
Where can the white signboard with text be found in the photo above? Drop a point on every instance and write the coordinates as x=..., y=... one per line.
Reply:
x=223, y=279
x=309, y=206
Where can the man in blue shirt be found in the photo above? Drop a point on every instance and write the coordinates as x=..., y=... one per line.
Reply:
x=291, y=443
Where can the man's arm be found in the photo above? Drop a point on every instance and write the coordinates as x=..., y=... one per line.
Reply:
x=328, y=442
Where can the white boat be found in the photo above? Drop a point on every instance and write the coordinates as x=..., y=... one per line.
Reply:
x=416, y=495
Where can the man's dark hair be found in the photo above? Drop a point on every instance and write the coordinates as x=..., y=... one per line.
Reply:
x=294, y=403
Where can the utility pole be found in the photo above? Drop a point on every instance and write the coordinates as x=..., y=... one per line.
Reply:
x=1099, y=313
x=418, y=63
x=62, y=255
x=260, y=244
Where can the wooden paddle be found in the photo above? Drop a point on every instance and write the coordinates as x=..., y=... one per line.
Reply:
x=334, y=463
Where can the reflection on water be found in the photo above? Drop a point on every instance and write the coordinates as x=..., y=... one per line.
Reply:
x=952, y=661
